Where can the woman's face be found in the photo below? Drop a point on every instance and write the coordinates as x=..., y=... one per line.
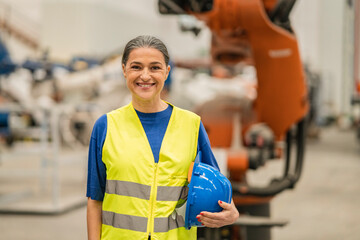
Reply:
x=145, y=73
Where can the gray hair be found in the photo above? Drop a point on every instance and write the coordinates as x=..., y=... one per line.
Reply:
x=145, y=42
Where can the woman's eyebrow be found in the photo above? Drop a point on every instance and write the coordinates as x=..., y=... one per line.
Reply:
x=135, y=62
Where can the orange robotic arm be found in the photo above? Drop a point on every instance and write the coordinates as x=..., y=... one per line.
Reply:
x=257, y=32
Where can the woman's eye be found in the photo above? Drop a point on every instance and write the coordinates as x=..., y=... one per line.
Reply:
x=155, y=68
x=135, y=67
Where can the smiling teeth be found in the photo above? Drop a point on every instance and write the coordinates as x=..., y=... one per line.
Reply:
x=144, y=85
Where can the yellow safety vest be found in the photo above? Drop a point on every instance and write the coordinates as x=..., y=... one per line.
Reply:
x=141, y=195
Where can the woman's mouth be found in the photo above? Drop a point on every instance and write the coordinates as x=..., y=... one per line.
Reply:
x=145, y=85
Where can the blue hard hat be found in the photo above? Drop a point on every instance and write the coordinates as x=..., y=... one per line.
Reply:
x=207, y=186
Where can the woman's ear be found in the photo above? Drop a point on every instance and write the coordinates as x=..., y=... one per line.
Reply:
x=168, y=71
x=123, y=68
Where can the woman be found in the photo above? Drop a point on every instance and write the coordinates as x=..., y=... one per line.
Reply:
x=139, y=157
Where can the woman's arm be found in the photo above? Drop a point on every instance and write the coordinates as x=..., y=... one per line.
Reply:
x=229, y=214
x=94, y=221
x=96, y=179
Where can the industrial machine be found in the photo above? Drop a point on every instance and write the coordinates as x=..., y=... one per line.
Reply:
x=47, y=111
x=256, y=33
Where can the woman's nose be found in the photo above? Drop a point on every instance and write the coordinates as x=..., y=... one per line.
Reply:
x=145, y=75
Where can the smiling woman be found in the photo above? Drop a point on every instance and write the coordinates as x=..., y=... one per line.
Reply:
x=145, y=72
x=135, y=153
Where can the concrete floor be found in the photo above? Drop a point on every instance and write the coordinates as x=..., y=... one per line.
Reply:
x=326, y=202
x=324, y=205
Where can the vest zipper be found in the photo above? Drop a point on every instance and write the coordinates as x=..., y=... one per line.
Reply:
x=153, y=201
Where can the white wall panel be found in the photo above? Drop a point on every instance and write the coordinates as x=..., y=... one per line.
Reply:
x=96, y=28
x=320, y=30
x=305, y=19
x=331, y=38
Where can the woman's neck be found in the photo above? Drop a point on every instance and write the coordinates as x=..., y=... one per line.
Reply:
x=149, y=107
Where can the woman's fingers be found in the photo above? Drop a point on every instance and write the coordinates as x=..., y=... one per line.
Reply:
x=227, y=216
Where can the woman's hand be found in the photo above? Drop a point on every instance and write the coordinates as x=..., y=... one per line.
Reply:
x=227, y=216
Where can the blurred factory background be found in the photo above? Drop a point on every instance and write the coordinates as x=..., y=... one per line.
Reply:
x=60, y=70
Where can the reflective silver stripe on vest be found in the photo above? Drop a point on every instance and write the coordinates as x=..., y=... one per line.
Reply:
x=124, y=221
x=129, y=189
x=168, y=193
x=168, y=223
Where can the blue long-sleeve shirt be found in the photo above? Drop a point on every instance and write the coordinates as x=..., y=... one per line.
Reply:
x=155, y=125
